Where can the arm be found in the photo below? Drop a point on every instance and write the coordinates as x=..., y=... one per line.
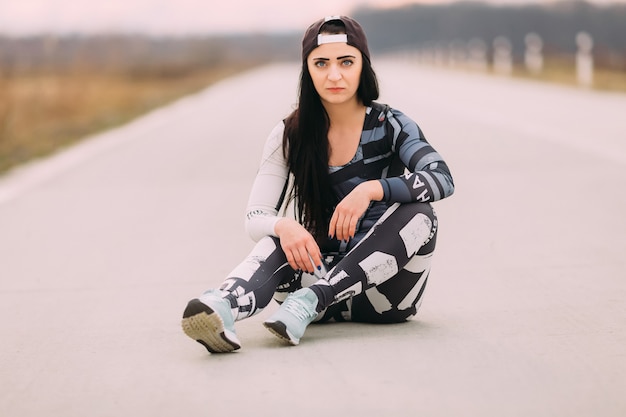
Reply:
x=268, y=189
x=427, y=178
x=265, y=201
x=351, y=208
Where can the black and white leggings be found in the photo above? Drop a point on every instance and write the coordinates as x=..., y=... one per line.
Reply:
x=379, y=278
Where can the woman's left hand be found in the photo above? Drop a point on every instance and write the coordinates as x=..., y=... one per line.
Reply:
x=349, y=210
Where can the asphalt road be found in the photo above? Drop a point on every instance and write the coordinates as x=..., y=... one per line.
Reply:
x=102, y=245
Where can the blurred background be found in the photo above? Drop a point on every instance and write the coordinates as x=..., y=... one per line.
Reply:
x=69, y=69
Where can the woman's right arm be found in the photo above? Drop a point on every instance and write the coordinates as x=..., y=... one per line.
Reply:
x=266, y=199
x=268, y=189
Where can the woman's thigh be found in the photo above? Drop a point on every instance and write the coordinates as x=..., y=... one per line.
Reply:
x=393, y=275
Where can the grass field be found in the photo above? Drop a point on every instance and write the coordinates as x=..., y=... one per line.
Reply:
x=562, y=71
x=40, y=113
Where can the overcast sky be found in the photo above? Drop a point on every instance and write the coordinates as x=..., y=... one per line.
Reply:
x=22, y=17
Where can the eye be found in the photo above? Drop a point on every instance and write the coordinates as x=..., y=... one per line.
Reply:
x=320, y=64
x=347, y=62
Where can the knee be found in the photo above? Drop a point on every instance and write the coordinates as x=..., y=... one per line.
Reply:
x=420, y=229
x=414, y=209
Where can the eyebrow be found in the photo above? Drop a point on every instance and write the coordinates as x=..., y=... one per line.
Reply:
x=339, y=57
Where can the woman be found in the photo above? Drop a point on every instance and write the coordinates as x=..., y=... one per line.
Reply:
x=360, y=178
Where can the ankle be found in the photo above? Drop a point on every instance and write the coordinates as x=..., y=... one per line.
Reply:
x=324, y=294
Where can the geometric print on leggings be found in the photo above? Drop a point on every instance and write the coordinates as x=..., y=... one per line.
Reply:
x=419, y=265
x=415, y=233
x=250, y=286
x=379, y=267
x=390, y=277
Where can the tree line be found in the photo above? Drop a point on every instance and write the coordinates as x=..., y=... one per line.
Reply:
x=408, y=27
x=413, y=26
x=137, y=54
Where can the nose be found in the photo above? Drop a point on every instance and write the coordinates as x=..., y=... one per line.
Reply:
x=334, y=74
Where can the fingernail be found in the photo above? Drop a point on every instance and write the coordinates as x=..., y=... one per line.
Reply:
x=319, y=267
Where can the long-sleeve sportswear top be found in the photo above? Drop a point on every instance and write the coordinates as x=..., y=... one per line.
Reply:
x=392, y=150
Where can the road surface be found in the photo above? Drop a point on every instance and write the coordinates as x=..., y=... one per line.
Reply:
x=102, y=245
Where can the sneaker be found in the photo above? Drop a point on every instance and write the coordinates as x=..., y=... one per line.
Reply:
x=295, y=313
x=208, y=320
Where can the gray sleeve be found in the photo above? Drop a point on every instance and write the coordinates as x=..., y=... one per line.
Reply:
x=427, y=177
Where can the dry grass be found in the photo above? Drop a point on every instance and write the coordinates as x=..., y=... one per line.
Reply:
x=42, y=113
x=563, y=71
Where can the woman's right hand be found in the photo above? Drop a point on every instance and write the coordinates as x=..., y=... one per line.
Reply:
x=298, y=244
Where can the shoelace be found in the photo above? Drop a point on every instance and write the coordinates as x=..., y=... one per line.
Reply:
x=299, y=309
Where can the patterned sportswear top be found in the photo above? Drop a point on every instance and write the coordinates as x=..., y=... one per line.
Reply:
x=392, y=149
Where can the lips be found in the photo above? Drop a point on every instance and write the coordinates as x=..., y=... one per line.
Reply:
x=335, y=89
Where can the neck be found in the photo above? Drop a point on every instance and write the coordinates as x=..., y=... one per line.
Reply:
x=345, y=113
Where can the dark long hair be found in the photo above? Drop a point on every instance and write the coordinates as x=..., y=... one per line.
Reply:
x=306, y=147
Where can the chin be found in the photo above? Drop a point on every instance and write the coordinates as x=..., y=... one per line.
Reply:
x=336, y=100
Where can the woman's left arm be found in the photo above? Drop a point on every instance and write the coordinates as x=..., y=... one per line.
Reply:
x=427, y=178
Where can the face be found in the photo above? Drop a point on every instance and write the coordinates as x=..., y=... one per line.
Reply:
x=335, y=69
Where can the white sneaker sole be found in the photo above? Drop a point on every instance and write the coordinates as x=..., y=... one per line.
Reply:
x=206, y=327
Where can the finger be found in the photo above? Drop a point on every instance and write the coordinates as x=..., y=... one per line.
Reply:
x=295, y=263
x=303, y=260
x=352, y=230
x=339, y=228
x=291, y=260
x=312, y=263
x=345, y=228
x=340, y=219
x=316, y=257
x=332, y=225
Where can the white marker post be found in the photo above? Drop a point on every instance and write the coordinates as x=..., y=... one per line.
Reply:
x=502, y=56
x=533, y=58
x=477, y=54
x=584, y=59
